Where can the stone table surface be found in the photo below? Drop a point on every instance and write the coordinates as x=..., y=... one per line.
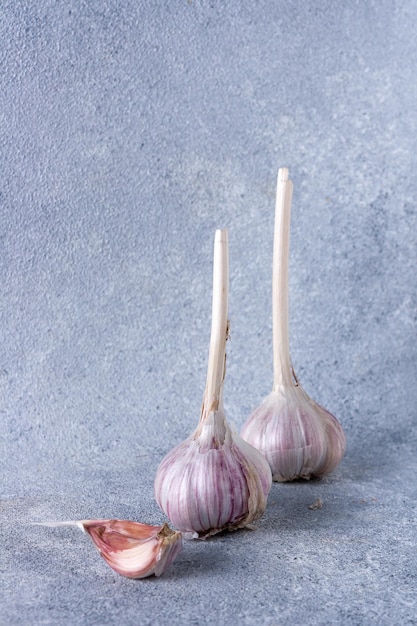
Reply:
x=129, y=132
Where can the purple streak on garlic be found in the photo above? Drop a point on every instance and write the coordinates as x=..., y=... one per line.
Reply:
x=132, y=549
x=299, y=438
x=214, y=480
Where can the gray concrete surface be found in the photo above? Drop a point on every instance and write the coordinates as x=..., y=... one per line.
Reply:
x=129, y=132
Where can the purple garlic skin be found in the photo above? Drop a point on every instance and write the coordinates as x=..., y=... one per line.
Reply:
x=298, y=437
x=213, y=481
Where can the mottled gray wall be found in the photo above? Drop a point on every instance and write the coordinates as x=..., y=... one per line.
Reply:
x=129, y=132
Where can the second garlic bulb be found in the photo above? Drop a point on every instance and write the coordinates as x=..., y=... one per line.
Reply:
x=299, y=438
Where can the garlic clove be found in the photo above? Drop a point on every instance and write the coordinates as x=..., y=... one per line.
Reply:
x=299, y=437
x=132, y=549
x=214, y=481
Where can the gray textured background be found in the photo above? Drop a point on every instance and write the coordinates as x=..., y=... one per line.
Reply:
x=129, y=131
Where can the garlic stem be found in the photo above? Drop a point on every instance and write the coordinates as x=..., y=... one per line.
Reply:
x=282, y=361
x=213, y=399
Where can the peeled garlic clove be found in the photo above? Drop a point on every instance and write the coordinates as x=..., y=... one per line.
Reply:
x=299, y=437
x=214, y=480
x=132, y=549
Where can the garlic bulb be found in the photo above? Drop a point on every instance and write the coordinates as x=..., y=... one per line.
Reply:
x=299, y=438
x=214, y=480
x=132, y=549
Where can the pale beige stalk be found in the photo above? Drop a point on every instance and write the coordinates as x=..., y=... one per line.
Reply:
x=281, y=349
x=213, y=394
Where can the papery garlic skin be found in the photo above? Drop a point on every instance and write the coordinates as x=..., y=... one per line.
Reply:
x=298, y=437
x=213, y=481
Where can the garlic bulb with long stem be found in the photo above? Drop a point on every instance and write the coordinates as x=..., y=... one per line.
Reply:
x=214, y=480
x=299, y=438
